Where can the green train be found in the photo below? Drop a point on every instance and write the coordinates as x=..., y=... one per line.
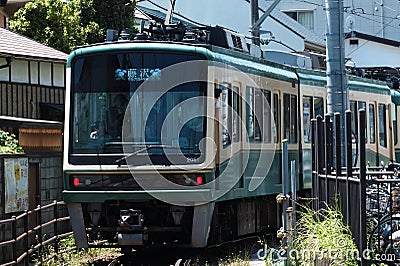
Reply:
x=173, y=139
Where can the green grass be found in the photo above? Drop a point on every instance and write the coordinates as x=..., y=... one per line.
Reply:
x=70, y=255
x=323, y=235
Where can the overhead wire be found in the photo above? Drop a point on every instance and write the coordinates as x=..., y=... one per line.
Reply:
x=178, y=14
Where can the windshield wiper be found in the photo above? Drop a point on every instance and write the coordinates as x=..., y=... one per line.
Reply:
x=149, y=147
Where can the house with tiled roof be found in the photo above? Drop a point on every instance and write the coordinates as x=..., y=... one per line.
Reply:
x=32, y=97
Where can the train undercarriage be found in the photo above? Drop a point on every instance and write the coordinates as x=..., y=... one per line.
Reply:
x=152, y=223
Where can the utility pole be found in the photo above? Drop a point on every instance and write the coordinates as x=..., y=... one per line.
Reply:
x=336, y=79
x=168, y=17
x=255, y=30
x=256, y=21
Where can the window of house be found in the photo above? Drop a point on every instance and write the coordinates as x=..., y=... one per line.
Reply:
x=303, y=17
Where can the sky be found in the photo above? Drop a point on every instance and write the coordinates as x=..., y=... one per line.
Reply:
x=232, y=14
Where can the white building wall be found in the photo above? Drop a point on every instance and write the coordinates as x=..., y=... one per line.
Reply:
x=20, y=72
x=235, y=15
x=372, y=17
x=367, y=54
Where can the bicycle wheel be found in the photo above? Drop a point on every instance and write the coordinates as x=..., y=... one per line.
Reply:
x=384, y=238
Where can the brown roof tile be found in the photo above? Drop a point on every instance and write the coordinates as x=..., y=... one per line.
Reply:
x=18, y=46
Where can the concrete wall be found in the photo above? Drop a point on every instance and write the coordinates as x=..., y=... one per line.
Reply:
x=50, y=188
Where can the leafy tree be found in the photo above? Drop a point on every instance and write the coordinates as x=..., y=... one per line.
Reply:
x=64, y=24
x=8, y=143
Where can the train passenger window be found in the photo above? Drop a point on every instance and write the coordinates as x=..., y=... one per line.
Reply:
x=253, y=114
x=382, y=125
x=371, y=123
x=312, y=107
x=258, y=107
x=250, y=113
x=277, y=118
x=318, y=106
x=236, y=124
x=267, y=116
x=226, y=114
x=363, y=105
x=290, y=117
x=354, y=120
x=307, y=115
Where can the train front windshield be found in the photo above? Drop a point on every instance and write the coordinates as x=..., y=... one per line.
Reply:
x=113, y=115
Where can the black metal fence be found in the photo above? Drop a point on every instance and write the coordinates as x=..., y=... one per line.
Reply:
x=26, y=237
x=367, y=196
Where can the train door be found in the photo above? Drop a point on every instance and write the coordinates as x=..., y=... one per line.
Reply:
x=229, y=131
x=312, y=106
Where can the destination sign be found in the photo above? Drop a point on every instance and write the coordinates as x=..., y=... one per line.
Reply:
x=138, y=74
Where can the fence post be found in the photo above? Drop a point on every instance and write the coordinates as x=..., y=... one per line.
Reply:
x=26, y=240
x=14, y=237
x=328, y=153
x=39, y=233
x=338, y=151
x=55, y=217
x=363, y=172
x=285, y=192
x=314, y=180
x=349, y=161
x=320, y=157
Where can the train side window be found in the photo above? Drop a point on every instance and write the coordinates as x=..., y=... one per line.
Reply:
x=319, y=106
x=277, y=118
x=363, y=105
x=267, y=116
x=382, y=124
x=312, y=107
x=226, y=119
x=236, y=105
x=290, y=117
x=307, y=115
x=371, y=111
x=250, y=113
x=354, y=120
x=258, y=107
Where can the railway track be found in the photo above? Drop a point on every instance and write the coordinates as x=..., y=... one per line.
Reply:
x=238, y=250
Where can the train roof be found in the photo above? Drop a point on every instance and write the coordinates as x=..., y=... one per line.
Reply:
x=221, y=45
x=318, y=78
x=235, y=59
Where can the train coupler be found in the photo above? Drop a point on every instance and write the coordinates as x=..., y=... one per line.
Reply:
x=130, y=220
